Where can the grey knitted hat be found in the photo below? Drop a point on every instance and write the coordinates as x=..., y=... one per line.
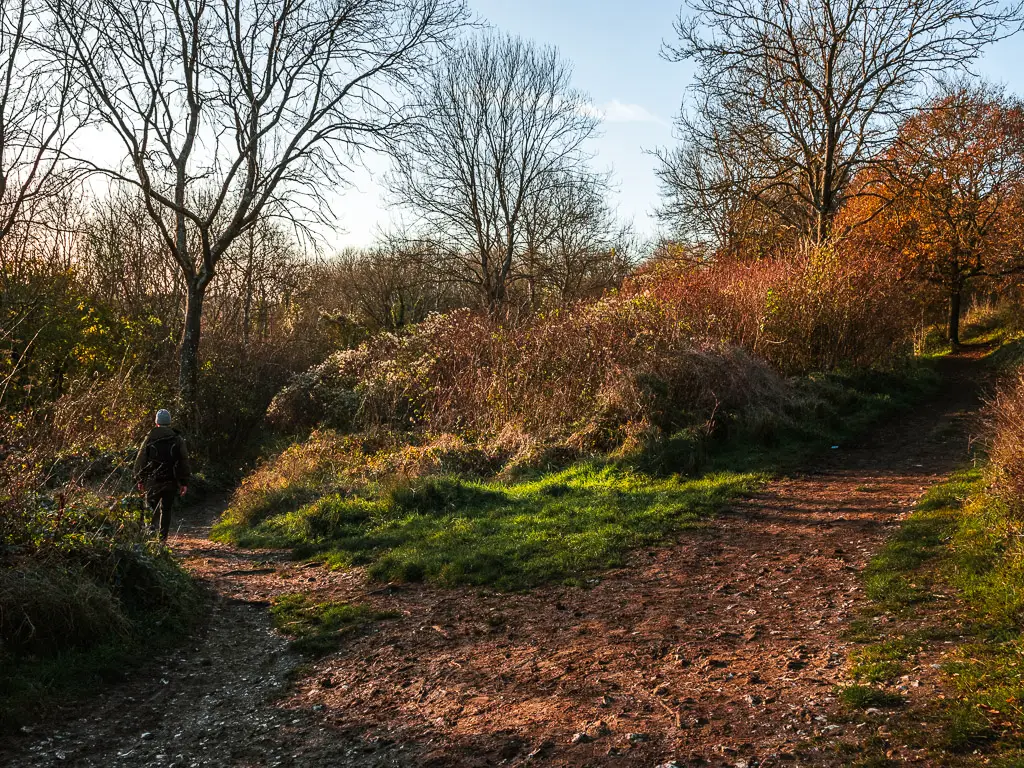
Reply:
x=163, y=418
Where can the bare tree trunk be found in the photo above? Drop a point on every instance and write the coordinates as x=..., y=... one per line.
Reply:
x=188, y=355
x=821, y=228
x=247, y=295
x=954, y=317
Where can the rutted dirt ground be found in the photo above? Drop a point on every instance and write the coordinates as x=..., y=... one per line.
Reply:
x=723, y=648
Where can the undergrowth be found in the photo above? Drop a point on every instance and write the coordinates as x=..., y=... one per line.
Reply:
x=84, y=595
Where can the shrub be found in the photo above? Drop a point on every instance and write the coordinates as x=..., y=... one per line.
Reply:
x=588, y=377
x=816, y=309
x=1006, y=424
x=83, y=590
x=681, y=348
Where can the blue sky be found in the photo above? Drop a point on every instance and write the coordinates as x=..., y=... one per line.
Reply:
x=614, y=49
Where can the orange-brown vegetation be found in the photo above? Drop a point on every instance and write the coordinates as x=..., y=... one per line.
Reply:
x=948, y=197
x=1006, y=424
x=812, y=309
x=680, y=346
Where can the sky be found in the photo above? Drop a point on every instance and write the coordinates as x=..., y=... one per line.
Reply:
x=615, y=52
x=614, y=49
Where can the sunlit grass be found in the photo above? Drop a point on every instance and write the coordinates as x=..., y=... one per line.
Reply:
x=318, y=628
x=450, y=530
x=964, y=543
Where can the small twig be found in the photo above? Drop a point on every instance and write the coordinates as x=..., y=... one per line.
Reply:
x=674, y=712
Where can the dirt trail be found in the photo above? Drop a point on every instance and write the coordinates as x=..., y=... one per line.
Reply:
x=724, y=647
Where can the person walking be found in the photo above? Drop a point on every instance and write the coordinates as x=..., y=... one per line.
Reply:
x=162, y=471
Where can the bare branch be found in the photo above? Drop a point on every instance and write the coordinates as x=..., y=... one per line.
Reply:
x=792, y=97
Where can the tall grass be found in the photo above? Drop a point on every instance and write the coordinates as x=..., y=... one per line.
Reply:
x=816, y=309
x=580, y=375
x=1006, y=424
x=82, y=596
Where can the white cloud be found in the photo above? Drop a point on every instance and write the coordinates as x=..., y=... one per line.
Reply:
x=615, y=111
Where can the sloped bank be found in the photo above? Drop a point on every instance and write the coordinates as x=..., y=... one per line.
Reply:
x=467, y=452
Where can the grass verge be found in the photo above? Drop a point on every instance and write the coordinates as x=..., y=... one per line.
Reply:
x=954, y=574
x=82, y=601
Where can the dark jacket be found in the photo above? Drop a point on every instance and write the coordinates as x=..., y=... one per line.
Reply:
x=151, y=474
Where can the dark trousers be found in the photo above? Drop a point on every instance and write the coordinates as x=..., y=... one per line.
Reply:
x=160, y=501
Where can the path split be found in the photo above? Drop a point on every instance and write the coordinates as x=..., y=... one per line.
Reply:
x=725, y=647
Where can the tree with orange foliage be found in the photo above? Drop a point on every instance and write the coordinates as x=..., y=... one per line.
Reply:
x=956, y=191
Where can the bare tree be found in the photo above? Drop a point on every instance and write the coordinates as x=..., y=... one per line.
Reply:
x=36, y=120
x=791, y=97
x=575, y=247
x=705, y=199
x=123, y=261
x=503, y=129
x=388, y=287
x=229, y=111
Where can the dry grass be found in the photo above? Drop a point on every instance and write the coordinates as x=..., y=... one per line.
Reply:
x=680, y=348
x=1006, y=423
x=46, y=610
x=811, y=310
x=585, y=377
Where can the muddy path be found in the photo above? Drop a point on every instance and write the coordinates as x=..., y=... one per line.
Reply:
x=721, y=649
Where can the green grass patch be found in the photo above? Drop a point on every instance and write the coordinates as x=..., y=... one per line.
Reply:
x=994, y=326
x=1009, y=355
x=885, y=661
x=895, y=579
x=319, y=628
x=513, y=535
x=963, y=543
x=866, y=697
x=826, y=410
